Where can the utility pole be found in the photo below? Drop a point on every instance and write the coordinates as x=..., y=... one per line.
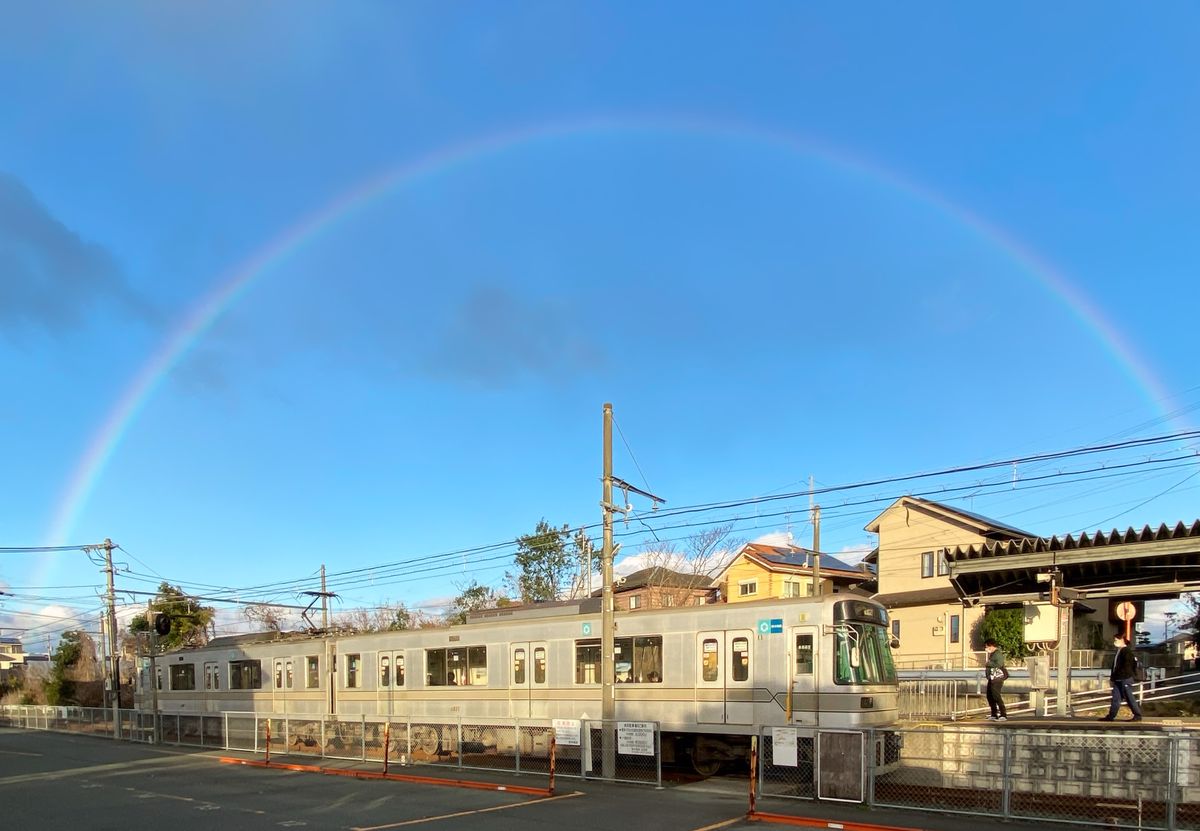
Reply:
x=608, y=672
x=608, y=706
x=324, y=601
x=153, y=674
x=112, y=638
x=816, y=552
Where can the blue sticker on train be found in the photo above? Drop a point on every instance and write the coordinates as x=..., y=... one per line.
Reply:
x=776, y=626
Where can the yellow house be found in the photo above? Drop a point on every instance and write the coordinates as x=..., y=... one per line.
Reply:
x=760, y=572
x=913, y=583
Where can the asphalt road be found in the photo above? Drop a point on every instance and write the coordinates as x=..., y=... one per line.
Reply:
x=51, y=781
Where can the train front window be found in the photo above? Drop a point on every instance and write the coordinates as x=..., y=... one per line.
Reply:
x=863, y=655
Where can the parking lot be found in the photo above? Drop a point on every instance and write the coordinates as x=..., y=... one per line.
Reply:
x=52, y=780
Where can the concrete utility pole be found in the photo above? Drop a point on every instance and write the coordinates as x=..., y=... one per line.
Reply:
x=112, y=639
x=608, y=704
x=153, y=673
x=324, y=601
x=816, y=552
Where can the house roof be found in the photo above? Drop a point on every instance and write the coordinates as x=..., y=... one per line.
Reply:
x=658, y=576
x=983, y=525
x=17, y=641
x=791, y=559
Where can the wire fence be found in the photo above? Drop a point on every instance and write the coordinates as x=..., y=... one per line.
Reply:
x=518, y=746
x=1107, y=778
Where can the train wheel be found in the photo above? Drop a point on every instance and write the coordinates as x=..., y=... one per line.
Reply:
x=426, y=740
x=705, y=767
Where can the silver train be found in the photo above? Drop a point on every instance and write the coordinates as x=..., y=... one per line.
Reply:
x=710, y=675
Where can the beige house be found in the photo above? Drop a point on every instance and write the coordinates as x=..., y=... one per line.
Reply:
x=759, y=572
x=914, y=584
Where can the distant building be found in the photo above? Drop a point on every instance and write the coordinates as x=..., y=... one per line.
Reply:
x=12, y=653
x=658, y=588
x=760, y=572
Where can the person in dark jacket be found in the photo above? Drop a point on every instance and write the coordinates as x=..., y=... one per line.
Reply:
x=1121, y=678
x=996, y=673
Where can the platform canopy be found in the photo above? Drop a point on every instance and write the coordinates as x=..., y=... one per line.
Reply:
x=1150, y=564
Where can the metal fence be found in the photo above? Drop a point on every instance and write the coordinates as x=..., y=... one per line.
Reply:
x=1111, y=779
x=515, y=745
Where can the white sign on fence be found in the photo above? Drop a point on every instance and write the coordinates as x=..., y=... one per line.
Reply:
x=783, y=746
x=566, y=731
x=635, y=738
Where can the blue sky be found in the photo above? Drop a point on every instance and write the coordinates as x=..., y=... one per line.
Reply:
x=788, y=242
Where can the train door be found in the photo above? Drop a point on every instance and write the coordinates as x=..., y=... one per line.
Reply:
x=802, y=654
x=725, y=680
x=528, y=683
x=391, y=680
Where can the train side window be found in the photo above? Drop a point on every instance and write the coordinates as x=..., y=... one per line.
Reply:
x=741, y=659
x=352, y=668
x=457, y=667
x=587, y=662
x=288, y=674
x=183, y=676
x=710, y=660
x=279, y=675
x=312, y=672
x=385, y=671
x=804, y=654
x=640, y=658
x=399, y=670
x=519, y=666
x=539, y=665
x=158, y=678
x=245, y=675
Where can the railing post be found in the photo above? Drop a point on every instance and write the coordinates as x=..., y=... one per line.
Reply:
x=460, y=743
x=268, y=759
x=753, y=775
x=658, y=754
x=1006, y=777
x=1173, y=784
x=362, y=737
x=322, y=737
x=225, y=730
x=287, y=735
x=873, y=754
x=387, y=741
x=553, y=745
x=517, y=743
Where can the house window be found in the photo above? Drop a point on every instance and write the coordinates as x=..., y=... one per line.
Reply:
x=740, y=659
x=895, y=628
x=927, y=564
x=710, y=659
x=245, y=675
x=183, y=676
x=668, y=600
x=312, y=672
x=352, y=668
x=539, y=665
x=954, y=624
x=212, y=678
x=634, y=602
x=385, y=671
x=943, y=565
x=462, y=666
x=747, y=588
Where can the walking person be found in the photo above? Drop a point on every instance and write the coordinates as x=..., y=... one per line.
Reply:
x=996, y=676
x=1123, y=671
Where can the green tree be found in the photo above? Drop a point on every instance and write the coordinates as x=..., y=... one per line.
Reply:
x=190, y=621
x=60, y=686
x=1007, y=628
x=545, y=560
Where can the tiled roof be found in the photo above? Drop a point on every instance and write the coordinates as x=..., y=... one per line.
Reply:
x=1100, y=539
x=796, y=557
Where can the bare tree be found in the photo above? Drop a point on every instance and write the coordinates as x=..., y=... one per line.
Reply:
x=678, y=573
x=268, y=618
x=390, y=617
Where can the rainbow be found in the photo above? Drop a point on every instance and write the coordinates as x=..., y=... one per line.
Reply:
x=238, y=280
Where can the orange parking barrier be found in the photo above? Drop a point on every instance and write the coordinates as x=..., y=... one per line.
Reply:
x=393, y=777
